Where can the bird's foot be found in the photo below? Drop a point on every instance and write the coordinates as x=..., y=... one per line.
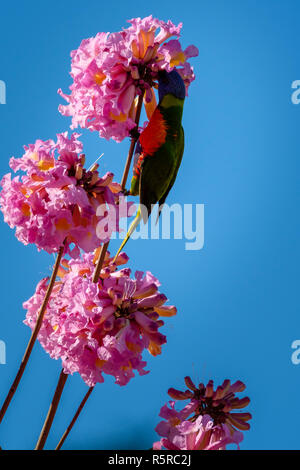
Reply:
x=125, y=192
x=134, y=133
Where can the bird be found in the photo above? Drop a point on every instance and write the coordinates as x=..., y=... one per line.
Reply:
x=159, y=150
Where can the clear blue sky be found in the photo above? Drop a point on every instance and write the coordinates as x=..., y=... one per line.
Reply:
x=237, y=298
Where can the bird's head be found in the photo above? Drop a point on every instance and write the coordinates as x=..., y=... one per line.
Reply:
x=170, y=83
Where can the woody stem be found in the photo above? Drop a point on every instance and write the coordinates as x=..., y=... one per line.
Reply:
x=34, y=335
x=102, y=257
x=52, y=411
x=123, y=184
x=69, y=428
x=133, y=142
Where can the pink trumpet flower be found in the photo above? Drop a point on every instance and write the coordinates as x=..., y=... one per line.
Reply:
x=207, y=421
x=101, y=328
x=110, y=70
x=57, y=198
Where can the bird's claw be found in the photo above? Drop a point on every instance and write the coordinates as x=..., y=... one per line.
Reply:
x=125, y=192
x=134, y=133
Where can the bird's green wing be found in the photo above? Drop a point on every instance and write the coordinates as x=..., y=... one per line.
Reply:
x=178, y=159
x=156, y=174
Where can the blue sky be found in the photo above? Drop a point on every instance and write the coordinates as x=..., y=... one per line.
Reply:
x=238, y=297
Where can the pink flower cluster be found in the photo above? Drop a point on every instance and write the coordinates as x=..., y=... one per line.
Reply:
x=104, y=327
x=57, y=198
x=110, y=70
x=207, y=421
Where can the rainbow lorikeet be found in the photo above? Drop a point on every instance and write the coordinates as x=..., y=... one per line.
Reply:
x=159, y=149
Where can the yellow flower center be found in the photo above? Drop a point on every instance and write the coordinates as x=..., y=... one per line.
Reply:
x=25, y=209
x=62, y=224
x=178, y=59
x=99, y=77
x=120, y=118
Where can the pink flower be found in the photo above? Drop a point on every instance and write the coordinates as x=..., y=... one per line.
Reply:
x=207, y=421
x=56, y=198
x=202, y=434
x=101, y=328
x=110, y=70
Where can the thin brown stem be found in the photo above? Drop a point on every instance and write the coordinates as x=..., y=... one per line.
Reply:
x=52, y=411
x=33, y=337
x=132, y=143
x=69, y=428
x=100, y=262
x=123, y=184
x=102, y=257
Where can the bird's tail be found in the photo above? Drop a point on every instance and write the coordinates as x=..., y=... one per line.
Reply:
x=132, y=228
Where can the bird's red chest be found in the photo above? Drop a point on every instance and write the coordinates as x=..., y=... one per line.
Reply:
x=155, y=133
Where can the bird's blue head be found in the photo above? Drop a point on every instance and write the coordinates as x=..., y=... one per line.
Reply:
x=170, y=83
